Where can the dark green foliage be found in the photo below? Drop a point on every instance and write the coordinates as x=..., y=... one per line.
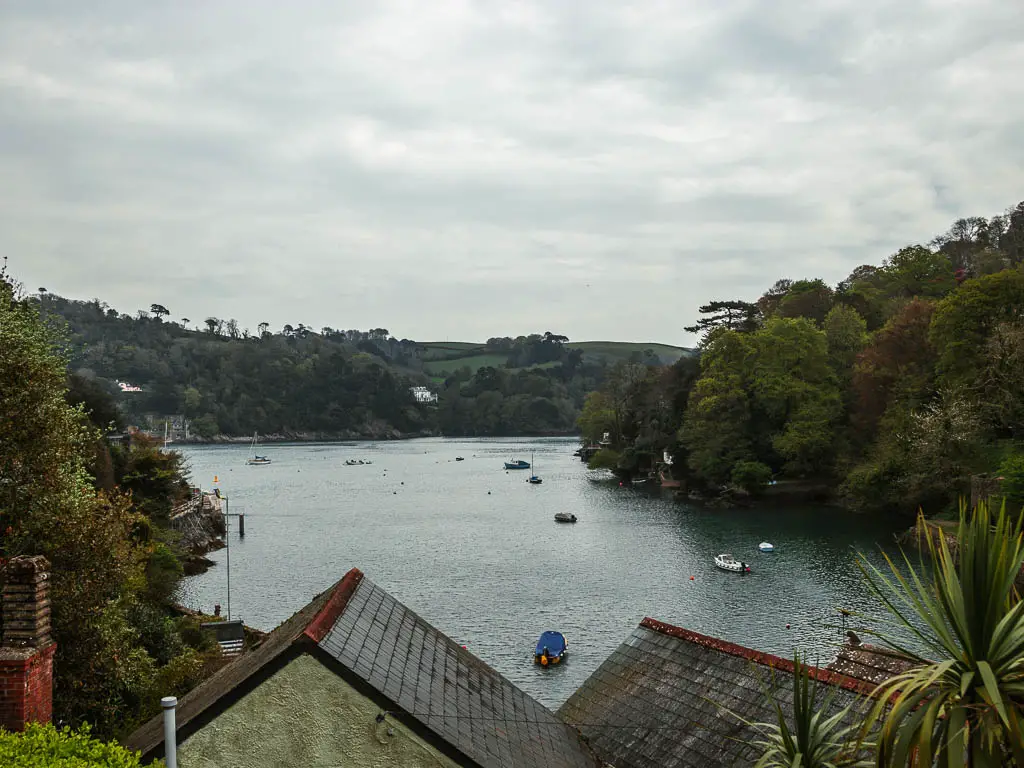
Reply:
x=45, y=746
x=606, y=458
x=751, y=476
x=966, y=318
x=962, y=701
x=1012, y=485
x=500, y=401
x=896, y=387
x=112, y=567
x=155, y=478
x=163, y=572
x=732, y=315
x=228, y=382
x=811, y=299
x=806, y=733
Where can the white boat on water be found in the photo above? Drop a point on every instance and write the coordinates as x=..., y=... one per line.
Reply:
x=256, y=459
x=565, y=517
x=729, y=563
x=765, y=546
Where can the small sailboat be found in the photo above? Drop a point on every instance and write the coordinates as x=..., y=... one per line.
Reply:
x=551, y=648
x=729, y=563
x=256, y=459
x=766, y=546
x=565, y=517
x=534, y=479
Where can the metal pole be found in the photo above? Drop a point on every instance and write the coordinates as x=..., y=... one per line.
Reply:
x=170, y=731
x=227, y=539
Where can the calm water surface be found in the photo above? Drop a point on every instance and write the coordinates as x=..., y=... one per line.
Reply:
x=474, y=550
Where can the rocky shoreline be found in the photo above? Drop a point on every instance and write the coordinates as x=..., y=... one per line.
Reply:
x=342, y=437
x=201, y=531
x=309, y=437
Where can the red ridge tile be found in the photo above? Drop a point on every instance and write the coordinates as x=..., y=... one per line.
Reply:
x=759, y=657
x=324, y=620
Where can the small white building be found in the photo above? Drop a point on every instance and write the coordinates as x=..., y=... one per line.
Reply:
x=126, y=387
x=423, y=395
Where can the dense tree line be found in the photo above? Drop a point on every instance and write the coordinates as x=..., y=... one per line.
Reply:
x=99, y=513
x=327, y=384
x=226, y=381
x=895, y=386
x=540, y=390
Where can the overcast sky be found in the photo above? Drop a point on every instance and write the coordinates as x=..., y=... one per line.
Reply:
x=461, y=170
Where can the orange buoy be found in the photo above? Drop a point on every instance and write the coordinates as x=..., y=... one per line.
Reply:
x=691, y=578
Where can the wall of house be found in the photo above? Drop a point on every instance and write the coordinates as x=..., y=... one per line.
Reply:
x=305, y=715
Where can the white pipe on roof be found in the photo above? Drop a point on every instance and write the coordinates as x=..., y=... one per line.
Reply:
x=169, y=703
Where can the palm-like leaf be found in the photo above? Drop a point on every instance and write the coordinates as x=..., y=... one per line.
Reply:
x=806, y=736
x=965, y=704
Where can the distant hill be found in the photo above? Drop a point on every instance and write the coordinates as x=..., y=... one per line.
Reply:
x=299, y=383
x=614, y=351
x=442, y=358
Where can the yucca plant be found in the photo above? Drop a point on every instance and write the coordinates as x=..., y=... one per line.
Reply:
x=963, y=702
x=804, y=735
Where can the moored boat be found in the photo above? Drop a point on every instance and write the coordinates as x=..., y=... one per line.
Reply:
x=565, y=517
x=256, y=459
x=517, y=464
x=551, y=649
x=729, y=563
x=766, y=546
x=534, y=479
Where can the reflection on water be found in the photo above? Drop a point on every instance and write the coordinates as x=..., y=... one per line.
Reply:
x=475, y=551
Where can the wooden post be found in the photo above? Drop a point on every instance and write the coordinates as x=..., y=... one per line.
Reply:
x=241, y=525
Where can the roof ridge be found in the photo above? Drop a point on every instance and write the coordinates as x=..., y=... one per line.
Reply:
x=759, y=657
x=324, y=620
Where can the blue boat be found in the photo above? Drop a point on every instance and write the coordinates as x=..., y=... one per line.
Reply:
x=518, y=464
x=534, y=479
x=551, y=649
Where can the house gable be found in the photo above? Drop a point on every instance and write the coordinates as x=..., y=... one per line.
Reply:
x=305, y=714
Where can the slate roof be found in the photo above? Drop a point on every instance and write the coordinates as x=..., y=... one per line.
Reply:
x=419, y=675
x=870, y=663
x=660, y=699
x=445, y=687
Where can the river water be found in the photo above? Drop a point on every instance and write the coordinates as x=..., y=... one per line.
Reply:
x=475, y=551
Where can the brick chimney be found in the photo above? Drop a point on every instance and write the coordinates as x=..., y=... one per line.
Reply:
x=26, y=649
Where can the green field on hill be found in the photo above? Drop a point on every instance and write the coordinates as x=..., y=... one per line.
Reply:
x=442, y=358
x=621, y=350
x=474, y=361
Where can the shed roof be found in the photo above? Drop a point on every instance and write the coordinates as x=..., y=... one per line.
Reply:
x=417, y=673
x=664, y=698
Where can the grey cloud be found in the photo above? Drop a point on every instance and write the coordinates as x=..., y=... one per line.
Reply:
x=464, y=170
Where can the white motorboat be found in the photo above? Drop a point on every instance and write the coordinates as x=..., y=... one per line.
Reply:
x=729, y=563
x=765, y=546
x=565, y=517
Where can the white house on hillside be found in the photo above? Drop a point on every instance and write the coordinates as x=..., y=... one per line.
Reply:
x=423, y=395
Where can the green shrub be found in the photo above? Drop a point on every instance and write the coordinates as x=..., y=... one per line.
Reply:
x=606, y=458
x=163, y=573
x=751, y=476
x=44, y=746
x=1012, y=473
